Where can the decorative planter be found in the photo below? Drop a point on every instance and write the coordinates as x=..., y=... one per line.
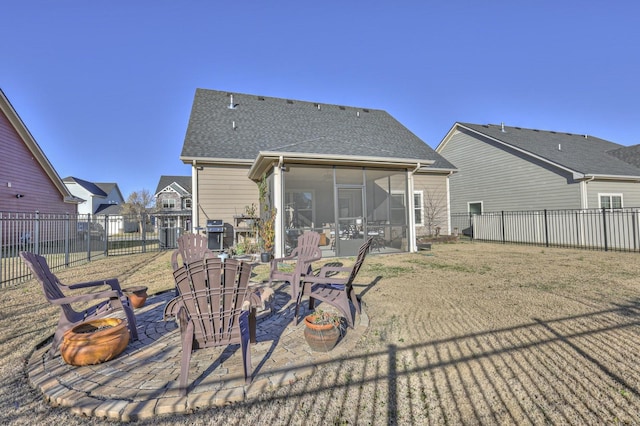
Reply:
x=94, y=341
x=137, y=295
x=320, y=337
x=265, y=257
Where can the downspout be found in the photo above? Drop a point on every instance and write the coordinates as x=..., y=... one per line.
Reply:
x=412, y=212
x=584, y=197
x=278, y=187
x=448, y=204
x=195, y=211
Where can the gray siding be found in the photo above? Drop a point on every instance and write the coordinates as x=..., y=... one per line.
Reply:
x=223, y=192
x=630, y=192
x=503, y=179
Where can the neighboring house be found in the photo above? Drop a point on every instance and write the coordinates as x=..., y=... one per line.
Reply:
x=96, y=196
x=173, y=202
x=328, y=167
x=28, y=181
x=101, y=201
x=503, y=168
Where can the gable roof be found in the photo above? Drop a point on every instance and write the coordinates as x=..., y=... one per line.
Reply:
x=584, y=155
x=107, y=187
x=230, y=127
x=109, y=209
x=628, y=154
x=32, y=145
x=89, y=186
x=181, y=184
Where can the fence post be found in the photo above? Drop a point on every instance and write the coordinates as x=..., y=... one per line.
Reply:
x=2, y=248
x=36, y=231
x=87, y=237
x=546, y=229
x=502, y=225
x=604, y=228
x=634, y=222
x=144, y=232
x=67, y=239
x=106, y=235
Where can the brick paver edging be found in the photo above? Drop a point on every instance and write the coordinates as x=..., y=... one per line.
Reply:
x=142, y=382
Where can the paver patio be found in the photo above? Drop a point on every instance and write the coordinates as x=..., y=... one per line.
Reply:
x=141, y=383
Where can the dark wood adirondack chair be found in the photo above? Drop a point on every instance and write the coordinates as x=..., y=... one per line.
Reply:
x=190, y=247
x=337, y=291
x=209, y=309
x=112, y=300
x=306, y=252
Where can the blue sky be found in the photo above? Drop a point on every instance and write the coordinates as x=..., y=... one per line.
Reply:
x=106, y=87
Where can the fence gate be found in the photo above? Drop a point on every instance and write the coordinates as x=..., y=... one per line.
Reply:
x=168, y=236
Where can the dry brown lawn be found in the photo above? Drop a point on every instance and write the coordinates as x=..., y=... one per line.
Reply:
x=468, y=333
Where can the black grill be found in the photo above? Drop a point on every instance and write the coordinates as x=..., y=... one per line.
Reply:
x=215, y=229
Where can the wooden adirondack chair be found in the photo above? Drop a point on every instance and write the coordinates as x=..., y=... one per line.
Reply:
x=306, y=252
x=336, y=291
x=209, y=309
x=113, y=299
x=190, y=247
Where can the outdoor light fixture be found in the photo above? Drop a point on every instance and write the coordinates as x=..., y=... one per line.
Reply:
x=19, y=195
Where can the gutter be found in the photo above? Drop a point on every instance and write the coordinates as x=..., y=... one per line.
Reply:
x=327, y=159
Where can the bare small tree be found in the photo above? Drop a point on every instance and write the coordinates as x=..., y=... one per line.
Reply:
x=435, y=209
x=138, y=204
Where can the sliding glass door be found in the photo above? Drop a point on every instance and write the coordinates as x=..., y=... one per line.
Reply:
x=350, y=218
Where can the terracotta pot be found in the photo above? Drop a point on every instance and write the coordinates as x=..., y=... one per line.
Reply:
x=320, y=337
x=137, y=295
x=94, y=341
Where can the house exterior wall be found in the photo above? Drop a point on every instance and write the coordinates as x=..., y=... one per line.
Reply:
x=223, y=192
x=434, y=203
x=168, y=195
x=85, y=207
x=113, y=197
x=504, y=179
x=21, y=173
x=630, y=192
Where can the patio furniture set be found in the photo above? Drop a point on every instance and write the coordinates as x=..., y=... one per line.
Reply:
x=214, y=304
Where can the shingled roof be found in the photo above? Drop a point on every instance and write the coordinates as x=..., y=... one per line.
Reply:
x=584, y=154
x=89, y=186
x=183, y=188
x=232, y=126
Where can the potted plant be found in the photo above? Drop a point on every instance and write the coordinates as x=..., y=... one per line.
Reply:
x=267, y=222
x=267, y=233
x=250, y=214
x=322, y=330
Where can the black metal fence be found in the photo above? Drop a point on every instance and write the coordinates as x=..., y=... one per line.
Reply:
x=66, y=240
x=592, y=229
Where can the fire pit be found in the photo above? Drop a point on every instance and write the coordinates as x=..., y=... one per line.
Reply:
x=94, y=341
